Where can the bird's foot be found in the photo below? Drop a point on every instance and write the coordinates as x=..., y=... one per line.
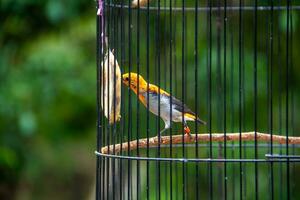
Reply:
x=187, y=132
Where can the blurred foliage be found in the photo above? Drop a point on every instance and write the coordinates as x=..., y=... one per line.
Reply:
x=47, y=99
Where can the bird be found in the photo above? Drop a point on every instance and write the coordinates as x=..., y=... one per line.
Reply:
x=180, y=112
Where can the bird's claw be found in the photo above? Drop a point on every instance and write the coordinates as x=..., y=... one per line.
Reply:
x=187, y=132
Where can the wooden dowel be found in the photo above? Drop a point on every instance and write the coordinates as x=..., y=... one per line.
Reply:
x=203, y=137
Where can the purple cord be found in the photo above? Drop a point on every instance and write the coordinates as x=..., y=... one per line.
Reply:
x=100, y=13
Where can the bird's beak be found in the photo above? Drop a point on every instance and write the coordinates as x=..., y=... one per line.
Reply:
x=126, y=82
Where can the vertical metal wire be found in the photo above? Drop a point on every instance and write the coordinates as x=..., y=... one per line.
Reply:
x=164, y=80
x=98, y=98
x=138, y=104
x=183, y=95
x=210, y=102
x=185, y=91
x=103, y=33
x=292, y=107
x=280, y=88
x=271, y=93
x=244, y=108
x=164, y=30
x=207, y=85
x=171, y=93
x=165, y=166
x=147, y=77
x=176, y=91
x=123, y=120
x=287, y=97
x=158, y=71
x=218, y=85
x=114, y=96
x=232, y=106
x=267, y=71
x=255, y=99
x=240, y=99
x=196, y=95
x=225, y=103
x=129, y=131
x=107, y=127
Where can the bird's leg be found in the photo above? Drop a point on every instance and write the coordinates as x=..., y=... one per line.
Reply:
x=187, y=130
x=162, y=131
x=160, y=134
x=167, y=126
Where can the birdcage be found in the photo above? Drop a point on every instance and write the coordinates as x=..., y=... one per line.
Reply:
x=197, y=99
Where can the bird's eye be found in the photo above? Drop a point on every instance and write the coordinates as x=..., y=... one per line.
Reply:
x=126, y=79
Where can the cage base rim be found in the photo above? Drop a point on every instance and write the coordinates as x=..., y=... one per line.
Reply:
x=269, y=158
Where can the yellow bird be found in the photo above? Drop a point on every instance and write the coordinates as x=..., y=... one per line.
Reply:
x=134, y=81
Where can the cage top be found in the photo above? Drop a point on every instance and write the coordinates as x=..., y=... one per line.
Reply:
x=203, y=8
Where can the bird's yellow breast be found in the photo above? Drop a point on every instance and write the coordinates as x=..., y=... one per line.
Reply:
x=143, y=100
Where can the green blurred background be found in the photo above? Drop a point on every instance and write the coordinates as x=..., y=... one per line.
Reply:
x=47, y=99
x=48, y=93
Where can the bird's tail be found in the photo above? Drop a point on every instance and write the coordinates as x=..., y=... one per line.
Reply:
x=192, y=117
x=200, y=121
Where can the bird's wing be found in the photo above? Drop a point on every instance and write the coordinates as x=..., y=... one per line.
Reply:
x=178, y=105
x=187, y=112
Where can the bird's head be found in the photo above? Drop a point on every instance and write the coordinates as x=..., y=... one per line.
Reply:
x=135, y=81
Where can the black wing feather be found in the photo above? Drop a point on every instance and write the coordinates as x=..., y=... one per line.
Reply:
x=178, y=105
x=181, y=107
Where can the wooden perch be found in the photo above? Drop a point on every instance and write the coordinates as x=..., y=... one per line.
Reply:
x=205, y=137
